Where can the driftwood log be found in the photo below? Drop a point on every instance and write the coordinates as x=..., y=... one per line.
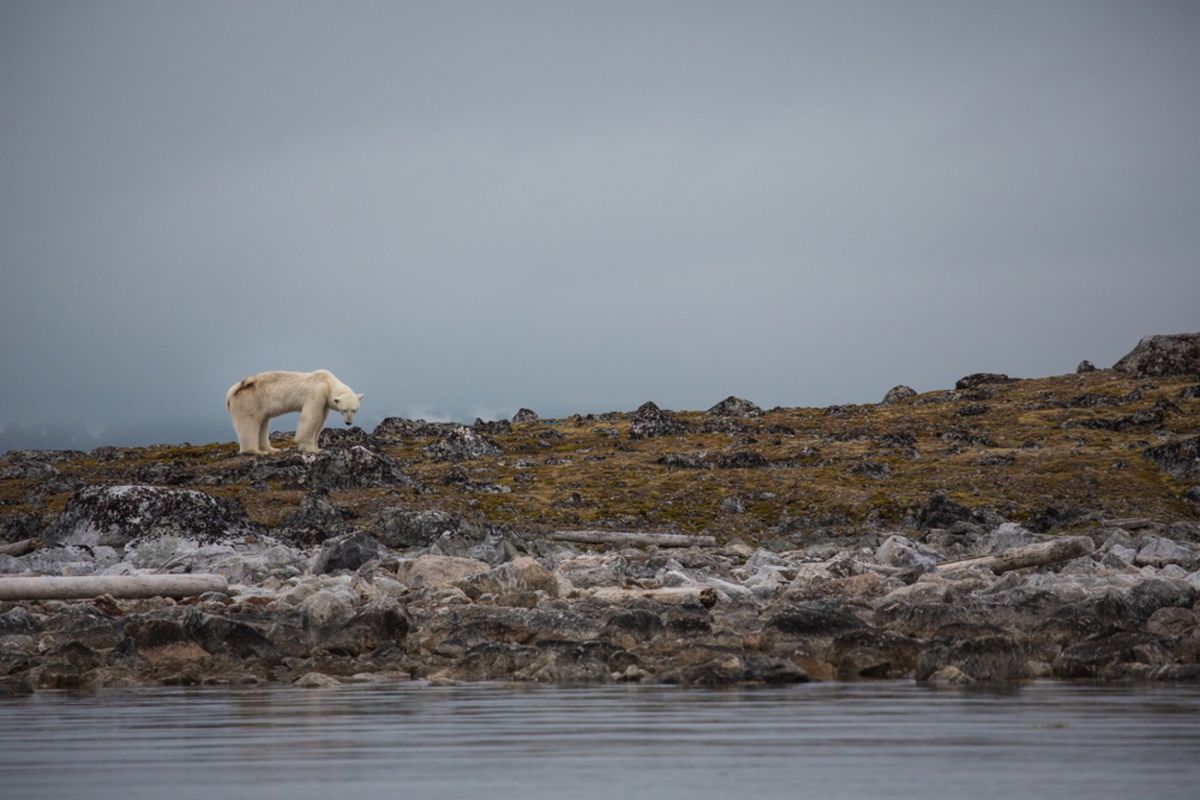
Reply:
x=23, y=547
x=127, y=586
x=668, y=595
x=1030, y=555
x=633, y=537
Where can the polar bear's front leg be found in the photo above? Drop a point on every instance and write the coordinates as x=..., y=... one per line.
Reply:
x=264, y=437
x=312, y=420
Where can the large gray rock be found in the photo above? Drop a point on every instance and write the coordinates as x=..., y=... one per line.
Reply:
x=649, y=420
x=432, y=571
x=114, y=515
x=1179, y=457
x=1156, y=356
x=1158, y=552
x=986, y=658
x=348, y=552
x=899, y=551
x=1005, y=537
x=405, y=527
x=317, y=520
x=355, y=467
x=898, y=394
x=980, y=378
x=462, y=444
x=397, y=428
x=735, y=407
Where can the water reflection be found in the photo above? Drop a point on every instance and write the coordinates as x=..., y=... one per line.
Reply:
x=817, y=740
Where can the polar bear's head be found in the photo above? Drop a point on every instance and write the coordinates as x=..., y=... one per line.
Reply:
x=346, y=404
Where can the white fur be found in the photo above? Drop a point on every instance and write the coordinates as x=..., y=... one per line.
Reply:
x=253, y=401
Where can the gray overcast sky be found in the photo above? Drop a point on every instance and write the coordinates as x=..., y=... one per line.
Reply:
x=463, y=208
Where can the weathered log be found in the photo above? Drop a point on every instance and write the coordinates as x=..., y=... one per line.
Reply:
x=1031, y=555
x=128, y=586
x=668, y=595
x=634, y=537
x=23, y=547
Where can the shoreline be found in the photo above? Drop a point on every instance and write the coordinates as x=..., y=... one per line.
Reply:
x=887, y=541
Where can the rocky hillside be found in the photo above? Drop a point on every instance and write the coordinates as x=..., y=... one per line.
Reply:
x=996, y=531
x=1051, y=453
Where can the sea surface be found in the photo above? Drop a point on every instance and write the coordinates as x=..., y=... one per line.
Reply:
x=862, y=740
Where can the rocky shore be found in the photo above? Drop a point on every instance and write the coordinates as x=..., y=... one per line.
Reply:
x=1001, y=531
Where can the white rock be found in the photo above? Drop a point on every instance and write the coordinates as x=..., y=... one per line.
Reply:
x=316, y=680
x=900, y=551
x=1159, y=552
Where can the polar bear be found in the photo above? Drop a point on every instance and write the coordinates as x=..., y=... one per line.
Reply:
x=253, y=401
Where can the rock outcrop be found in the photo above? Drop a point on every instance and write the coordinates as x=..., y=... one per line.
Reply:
x=1158, y=356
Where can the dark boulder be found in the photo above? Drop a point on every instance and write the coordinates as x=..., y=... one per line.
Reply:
x=898, y=394
x=941, y=512
x=33, y=465
x=1049, y=518
x=220, y=635
x=813, y=619
x=525, y=415
x=688, y=621
x=343, y=437
x=497, y=427
x=735, y=407
x=17, y=620
x=462, y=444
x=979, y=379
x=649, y=421
x=64, y=667
x=1098, y=656
x=742, y=459
x=380, y=624
x=871, y=653
x=685, y=461
x=397, y=428
x=731, y=669
x=355, y=467
x=348, y=553
x=1159, y=356
x=1179, y=457
x=404, y=527
x=986, y=658
x=1152, y=594
x=84, y=623
x=150, y=633
x=19, y=526
x=874, y=470
x=316, y=520
x=972, y=410
x=635, y=625
x=1085, y=366
x=117, y=514
x=165, y=473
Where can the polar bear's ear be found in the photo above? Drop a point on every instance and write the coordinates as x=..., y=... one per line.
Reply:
x=360, y=397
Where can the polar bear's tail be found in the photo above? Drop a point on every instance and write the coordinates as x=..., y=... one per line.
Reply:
x=237, y=387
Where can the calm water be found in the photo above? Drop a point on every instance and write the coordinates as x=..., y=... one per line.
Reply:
x=877, y=740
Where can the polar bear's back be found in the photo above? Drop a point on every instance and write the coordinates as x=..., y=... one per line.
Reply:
x=277, y=390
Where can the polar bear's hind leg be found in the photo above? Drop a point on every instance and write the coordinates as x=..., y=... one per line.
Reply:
x=247, y=433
